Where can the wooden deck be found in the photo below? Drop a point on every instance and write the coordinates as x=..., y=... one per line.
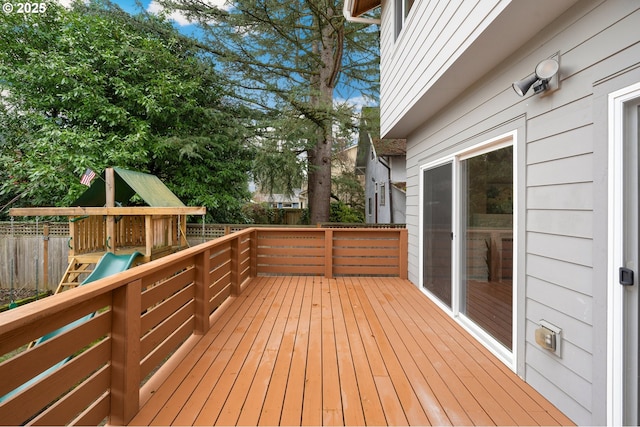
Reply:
x=340, y=351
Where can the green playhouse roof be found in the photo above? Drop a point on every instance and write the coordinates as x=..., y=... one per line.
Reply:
x=127, y=183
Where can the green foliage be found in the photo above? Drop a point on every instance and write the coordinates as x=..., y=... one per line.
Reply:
x=287, y=58
x=348, y=189
x=262, y=213
x=94, y=87
x=343, y=213
x=278, y=167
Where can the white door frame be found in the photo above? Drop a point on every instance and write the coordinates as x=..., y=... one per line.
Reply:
x=508, y=357
x=615, y=293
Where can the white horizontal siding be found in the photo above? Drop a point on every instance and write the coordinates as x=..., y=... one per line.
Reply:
x=567, y=144
x=561, y=171
x=436, y=55
x=554, y=389
x=576, y=277
x=569, y=249
x=578, y=386
x=561, y=222
x=574, y=196
x=560, y=298
x=434, y=35
x=562, y=149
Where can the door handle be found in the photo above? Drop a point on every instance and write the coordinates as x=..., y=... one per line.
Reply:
x=626, y=276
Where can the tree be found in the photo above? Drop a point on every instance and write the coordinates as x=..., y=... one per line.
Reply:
x=92, y=86
x=287, y=58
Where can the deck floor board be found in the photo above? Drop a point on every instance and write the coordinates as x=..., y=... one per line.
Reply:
x=345, y=351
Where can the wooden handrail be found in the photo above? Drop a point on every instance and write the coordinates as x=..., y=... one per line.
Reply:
x=146, y=314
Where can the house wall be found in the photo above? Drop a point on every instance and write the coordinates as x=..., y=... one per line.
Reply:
x=441, y=50
x=399, y=197
x=376, y=174
x=399, y=205
x=561, y=141
x=398, y=168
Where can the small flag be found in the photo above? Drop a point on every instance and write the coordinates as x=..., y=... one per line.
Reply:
x=87, y=176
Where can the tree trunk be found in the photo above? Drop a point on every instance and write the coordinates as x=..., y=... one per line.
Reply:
x=319, y=173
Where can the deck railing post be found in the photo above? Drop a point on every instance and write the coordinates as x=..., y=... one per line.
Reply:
x=202, y=292
x=125, y=353
x=328, y=253
x=235, y=265
x=403, y=254
x=253, y=253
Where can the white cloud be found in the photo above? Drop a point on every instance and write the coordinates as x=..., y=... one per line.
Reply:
x=179, y=18
x=356, y=101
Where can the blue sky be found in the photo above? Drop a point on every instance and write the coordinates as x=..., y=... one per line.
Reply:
x=132, y=6
x=342, y=94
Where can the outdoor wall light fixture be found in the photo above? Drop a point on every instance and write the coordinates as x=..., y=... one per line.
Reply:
x=545, y=70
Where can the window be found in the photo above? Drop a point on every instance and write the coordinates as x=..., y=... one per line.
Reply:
x=402, y=9
x=383, y=192
x=467, y=230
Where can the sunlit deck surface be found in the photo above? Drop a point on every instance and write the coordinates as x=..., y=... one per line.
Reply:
x=343, y=351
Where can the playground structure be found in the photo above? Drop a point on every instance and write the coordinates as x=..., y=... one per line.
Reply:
x=101, y=222
x=113, y=237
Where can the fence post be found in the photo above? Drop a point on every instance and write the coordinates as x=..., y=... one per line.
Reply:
x=45, y=256
x=202, y=292
x=403, y=254
x=328, y=253
x=125, y=353
x=110, y=197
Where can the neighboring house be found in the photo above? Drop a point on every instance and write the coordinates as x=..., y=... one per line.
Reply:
x=343, y=164
x=281, y=201
x=344, y=161
x=525, y=199
x=382, y=163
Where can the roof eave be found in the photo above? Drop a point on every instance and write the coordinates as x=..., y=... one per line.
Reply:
x=353, y=9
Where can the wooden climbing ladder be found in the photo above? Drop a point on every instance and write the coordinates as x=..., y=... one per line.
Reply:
x=75, y=273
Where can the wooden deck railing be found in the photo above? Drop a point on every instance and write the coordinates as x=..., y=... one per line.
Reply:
x=135, y=322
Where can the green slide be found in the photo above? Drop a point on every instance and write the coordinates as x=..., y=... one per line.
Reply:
x=108, y=265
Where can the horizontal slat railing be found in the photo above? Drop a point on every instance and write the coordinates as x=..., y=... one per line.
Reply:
x=130, y=324
x=332, y=252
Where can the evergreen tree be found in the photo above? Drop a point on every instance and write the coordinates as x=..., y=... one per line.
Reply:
x=287, y=58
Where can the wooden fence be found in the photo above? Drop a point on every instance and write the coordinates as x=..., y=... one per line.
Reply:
x=153, y=315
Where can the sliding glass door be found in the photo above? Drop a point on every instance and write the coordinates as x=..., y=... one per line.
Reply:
x=486, y=273
x=437, y=231
x=467, y=238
